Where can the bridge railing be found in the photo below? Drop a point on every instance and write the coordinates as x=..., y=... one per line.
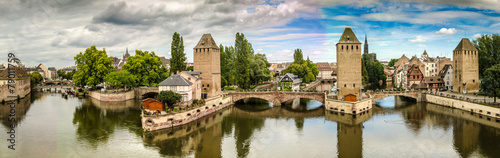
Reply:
x=464, y=98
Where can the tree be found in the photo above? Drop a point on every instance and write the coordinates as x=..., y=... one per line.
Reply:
x=491, y=82
x=243, y=51
x=146, y=68
x=70, y=74
x=178, y=60
x=488, y=47
x=392, y=62
x=92, y=67
x=375, y=73
x=307, y=70
x=169, y=98
x=61, y=73
x=35, y=78
x=120, y=79
x=298, y=57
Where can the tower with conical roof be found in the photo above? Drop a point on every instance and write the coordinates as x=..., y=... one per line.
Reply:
x=366, y=45
x=206, y=59
x=349, y=66
x=465, y=64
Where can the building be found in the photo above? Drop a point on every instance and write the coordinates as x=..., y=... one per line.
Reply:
x=401, y=79
x=414, y=75
x=165, y=62
x=21, y=86
x=446, y=75
x=434, y=83
x=365, y=47
x=389, y=79
x=118, y=63
x=52, y=72
x=180, y=85
x=349, y=67
x=290, y=81
x=194, y=77
x=206, y=56
x=325, y=71
x=466, y=67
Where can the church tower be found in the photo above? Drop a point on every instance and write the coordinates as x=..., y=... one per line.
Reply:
x=366, y=45
x=349, y=67
x=206, y=56
x=466, y=67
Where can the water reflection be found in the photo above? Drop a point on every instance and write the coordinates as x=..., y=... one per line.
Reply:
x=95, y=123
x=349, y=132
x=302, y=104
x=21, y=109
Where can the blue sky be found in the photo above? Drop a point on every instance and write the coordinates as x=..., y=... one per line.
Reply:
x=53, y=32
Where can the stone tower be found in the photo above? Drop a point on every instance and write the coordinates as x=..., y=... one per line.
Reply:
x=206, y=56
x=349, y=66
x=366, y=45
x=466, y=67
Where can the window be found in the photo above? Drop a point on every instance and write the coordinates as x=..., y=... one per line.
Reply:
x=353, y=85
x=473, y=81
x=352, y=47
x=347, y=48
x=173, y=88
x=342, y=47
x=208, y=85
x=356, y=47
x=202, y=85
x=345, y=85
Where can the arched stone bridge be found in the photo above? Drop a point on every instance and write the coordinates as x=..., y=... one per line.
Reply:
x=278, y=112
x=375, y=96
x=278, y=97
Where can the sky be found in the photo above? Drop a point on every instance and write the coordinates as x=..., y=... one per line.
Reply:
x=52, y=32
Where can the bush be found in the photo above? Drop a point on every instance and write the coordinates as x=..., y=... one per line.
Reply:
x=229, y=88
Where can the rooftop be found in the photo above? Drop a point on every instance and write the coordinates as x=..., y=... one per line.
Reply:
x=348, y=37
x=207, y=41
x=175, y=80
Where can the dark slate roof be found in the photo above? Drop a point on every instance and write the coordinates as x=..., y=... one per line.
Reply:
x=465, y=44
x=443, y=72
x=433, y=79
x=20, y=73
x=348, y=37
x=175, y=80
x=51, y=68
x=207, y=41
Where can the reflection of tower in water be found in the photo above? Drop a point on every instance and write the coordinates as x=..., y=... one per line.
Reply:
x=349, y=132
x=350, y=140
x=465, y=137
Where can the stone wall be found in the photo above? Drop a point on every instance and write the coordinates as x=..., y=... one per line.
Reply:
x=151, y=123
x=464, y=105
x=112, y=96
x=348, y=107
x=138, y=92
x=22, y=88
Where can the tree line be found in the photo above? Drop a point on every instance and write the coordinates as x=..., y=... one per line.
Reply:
x=488, y=47
x=241, y=66
x=304, y=69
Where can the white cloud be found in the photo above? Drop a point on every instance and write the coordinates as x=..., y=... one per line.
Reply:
x=258, y=50
x=317, y=52
x=477, y=35
x=292, y=36
x=375, y=38
x=329, y=43
x=449, y=31
x=419, y=39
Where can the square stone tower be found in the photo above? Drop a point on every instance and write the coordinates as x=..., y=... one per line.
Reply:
x=465, y=67
x=206, y=56
x=349, y=66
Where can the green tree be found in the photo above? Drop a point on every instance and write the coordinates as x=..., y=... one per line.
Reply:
x=375, y=73
x=488, y=47
x=307, y=70
x=178, y=60
x=92, y=67
x=35, y=78
x=392, y=62
x=364, y=73
x=61, y=73
x=120, y=78
x=146, y=67
x=243, y=50
x=70, y=74
x=169, y=98
x=491, y=82
x=190, y=68
x=298, y=57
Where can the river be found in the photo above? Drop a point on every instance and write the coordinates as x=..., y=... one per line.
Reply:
x=49, y=125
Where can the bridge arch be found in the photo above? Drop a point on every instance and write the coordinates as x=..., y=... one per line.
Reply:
x=279, y=97
x=380, y=95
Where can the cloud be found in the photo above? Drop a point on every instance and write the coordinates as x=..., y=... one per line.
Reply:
x=292, y=36
x=449, y=31
x=419, y=39
x=258, y=50
x=329, y=44
x=477, y=35
x=317, y=52
x=375, y=38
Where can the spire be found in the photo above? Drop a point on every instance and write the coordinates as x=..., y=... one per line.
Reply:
x=366, y=45
x=307, y=57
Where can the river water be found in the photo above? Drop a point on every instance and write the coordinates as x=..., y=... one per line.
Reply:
x=49, y=125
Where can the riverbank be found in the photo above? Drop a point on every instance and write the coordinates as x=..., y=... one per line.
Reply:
x=464, y=105
x=152, y=122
